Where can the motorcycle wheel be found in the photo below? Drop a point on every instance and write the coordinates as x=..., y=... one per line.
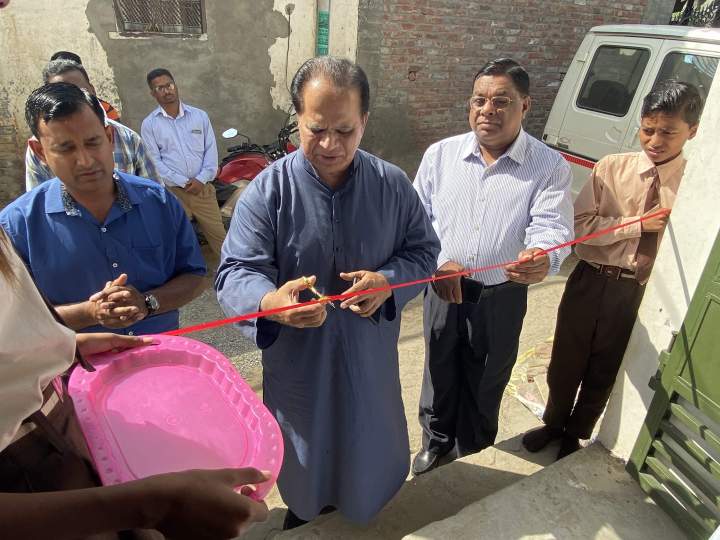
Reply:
x=228, y=207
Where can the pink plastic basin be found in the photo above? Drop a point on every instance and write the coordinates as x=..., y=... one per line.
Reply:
x=172, y=406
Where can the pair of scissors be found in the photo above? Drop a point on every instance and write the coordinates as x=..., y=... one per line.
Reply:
x=316, y=293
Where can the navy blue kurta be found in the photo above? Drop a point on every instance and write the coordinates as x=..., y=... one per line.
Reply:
x=335, y=390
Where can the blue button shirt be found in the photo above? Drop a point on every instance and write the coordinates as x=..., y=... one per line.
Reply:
x=71, y=255
x=181, y=148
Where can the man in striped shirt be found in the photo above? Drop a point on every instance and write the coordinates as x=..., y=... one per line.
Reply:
x=128, y=149
x=494, y=195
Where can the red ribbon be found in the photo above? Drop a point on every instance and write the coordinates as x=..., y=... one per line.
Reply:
x=466, y=272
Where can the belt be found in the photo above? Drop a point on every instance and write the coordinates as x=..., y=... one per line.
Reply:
x=612, y=272
x=473, y=290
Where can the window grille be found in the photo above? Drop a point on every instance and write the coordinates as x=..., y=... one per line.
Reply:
x=178, y=17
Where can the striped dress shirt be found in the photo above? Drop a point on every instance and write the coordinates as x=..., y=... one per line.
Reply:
x=129, y=156
x=486, y=214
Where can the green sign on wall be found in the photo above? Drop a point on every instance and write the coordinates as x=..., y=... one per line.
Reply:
x=323, y=33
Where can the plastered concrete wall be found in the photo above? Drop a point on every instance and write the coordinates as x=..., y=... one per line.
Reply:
x=29, y=33
x=237, y=72
x=343, y=41
x=694, y=225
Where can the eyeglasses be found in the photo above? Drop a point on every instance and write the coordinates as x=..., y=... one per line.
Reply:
x=499, y=103
x=164, y=88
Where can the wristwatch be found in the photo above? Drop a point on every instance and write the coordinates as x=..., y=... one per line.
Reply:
x=151, y=303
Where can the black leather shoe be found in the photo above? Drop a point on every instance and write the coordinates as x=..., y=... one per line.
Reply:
x=537, y=439
x=568, y=446
x=426, y=461
x=292, y=521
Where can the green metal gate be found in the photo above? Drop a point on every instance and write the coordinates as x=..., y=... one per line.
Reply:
x=677, y=456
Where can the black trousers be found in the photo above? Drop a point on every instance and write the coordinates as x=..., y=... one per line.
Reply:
x=595, y=320
x=470, y=350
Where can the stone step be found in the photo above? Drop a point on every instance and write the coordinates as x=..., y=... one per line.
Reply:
x=586, y=495
x=436, y=495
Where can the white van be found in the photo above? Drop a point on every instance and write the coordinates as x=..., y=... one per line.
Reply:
x=597, y=109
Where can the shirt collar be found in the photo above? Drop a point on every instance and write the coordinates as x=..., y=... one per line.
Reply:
x=161, y=112
x=645, y=165
x=516, y=151
x=58, y=199
x=311, y=170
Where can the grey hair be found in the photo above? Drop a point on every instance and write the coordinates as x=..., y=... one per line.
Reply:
x=58, y=67
x=343, y=74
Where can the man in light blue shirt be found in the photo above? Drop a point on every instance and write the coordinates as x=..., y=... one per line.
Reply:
x=181, y=143
x=493, y=195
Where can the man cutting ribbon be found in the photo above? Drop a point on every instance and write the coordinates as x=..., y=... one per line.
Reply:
x=335, y=218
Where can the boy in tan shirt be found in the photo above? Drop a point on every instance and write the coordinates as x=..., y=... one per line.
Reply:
x=603, y=294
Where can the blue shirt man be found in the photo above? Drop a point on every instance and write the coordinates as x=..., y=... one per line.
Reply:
x=108, y=249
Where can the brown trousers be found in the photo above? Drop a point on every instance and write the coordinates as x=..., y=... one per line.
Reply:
x=204, y=208
x=53, y=457
x=595, y=320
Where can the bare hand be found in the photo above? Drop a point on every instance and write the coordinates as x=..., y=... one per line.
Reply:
x=89, y=344
x=449, y=289
x=656, y=223
x=367, y=304
x=287, y=295
x=533, y=267
x=204, y=505
x=118, y=305
x=193, y=186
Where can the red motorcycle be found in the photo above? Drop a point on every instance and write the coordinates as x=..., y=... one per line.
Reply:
x=244, y=162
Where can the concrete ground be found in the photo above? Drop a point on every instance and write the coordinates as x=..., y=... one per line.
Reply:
x=587, y=495
x=434, y=497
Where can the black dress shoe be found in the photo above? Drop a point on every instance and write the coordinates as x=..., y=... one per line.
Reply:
x=292, y=521
x=568, y=446
x=537, y=439
x=426, y=461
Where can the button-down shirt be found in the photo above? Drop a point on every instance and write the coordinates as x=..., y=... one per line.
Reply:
x=71, y=255
x=615, y=194
x=486, y=214
x=182, y=147
x=129, y=156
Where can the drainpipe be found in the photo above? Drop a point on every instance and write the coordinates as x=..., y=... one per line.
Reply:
x=323, y=28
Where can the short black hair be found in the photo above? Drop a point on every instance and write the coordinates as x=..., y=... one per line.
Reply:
x=343, y=74
x=158, y=72
x=509, y=67
x=58, y=100
x=58, y=67
x=66, y=55
x=674, y=97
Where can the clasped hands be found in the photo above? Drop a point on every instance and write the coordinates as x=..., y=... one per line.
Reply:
x=532, y=266
x=313, y=316
x=118, y=305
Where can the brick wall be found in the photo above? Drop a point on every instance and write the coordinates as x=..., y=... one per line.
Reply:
x=421, y=56
x=11, y=166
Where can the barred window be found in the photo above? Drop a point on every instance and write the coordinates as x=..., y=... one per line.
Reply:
x=173, y=17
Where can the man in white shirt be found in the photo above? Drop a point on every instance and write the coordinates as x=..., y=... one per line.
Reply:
x=181, y=143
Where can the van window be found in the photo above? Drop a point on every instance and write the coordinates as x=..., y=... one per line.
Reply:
x=612, y=79
x=689, y=68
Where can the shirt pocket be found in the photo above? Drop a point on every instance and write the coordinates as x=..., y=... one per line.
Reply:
x=196, y=140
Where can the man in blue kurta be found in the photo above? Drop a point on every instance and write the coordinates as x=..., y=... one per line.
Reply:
x=347, y=221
